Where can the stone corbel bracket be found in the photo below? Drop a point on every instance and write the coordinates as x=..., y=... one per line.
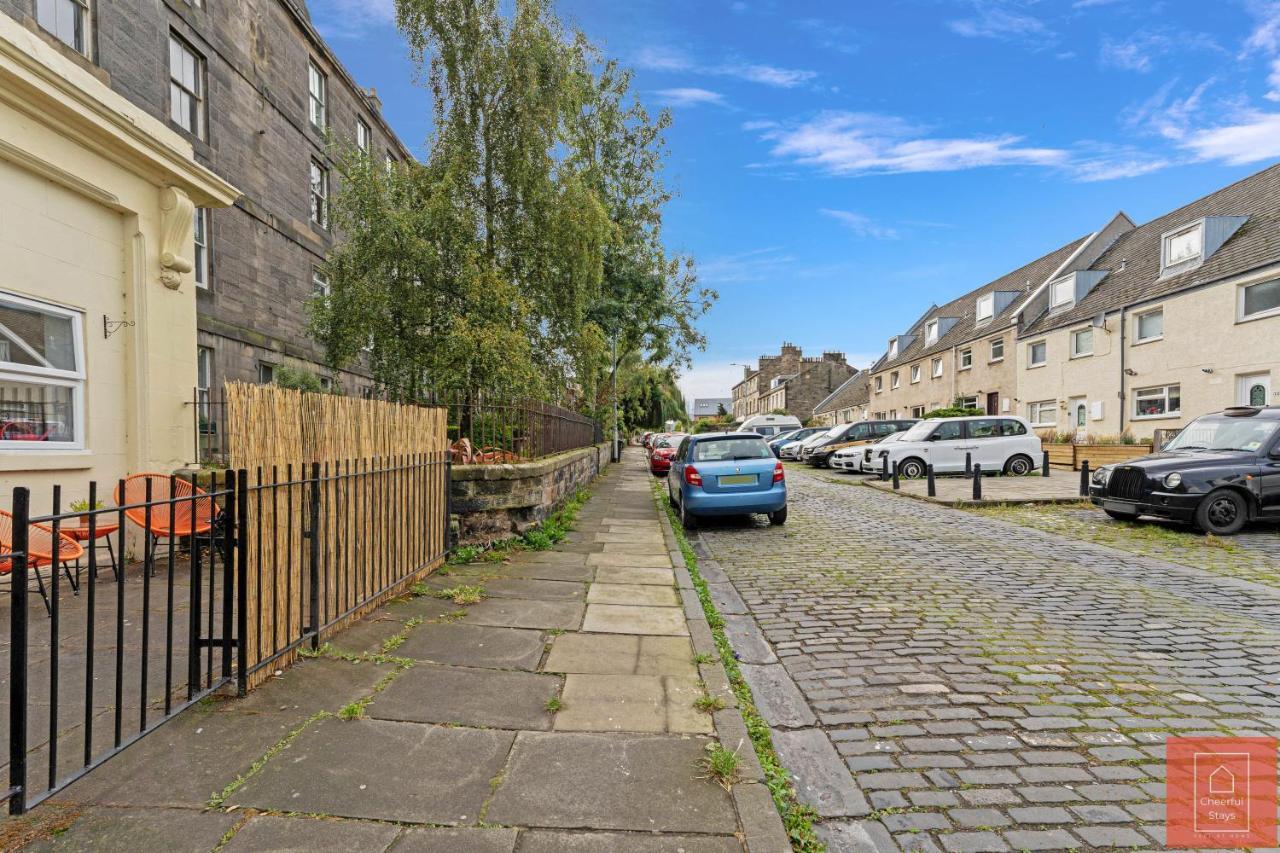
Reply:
x=176, y=212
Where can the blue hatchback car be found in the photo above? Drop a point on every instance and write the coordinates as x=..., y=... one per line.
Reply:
x=726, y=473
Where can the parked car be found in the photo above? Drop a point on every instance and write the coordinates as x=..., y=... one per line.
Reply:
x=997, y=443
x=770, y=425
x=1220, y=472
x=794, y=437
x=663, y=449
x=644, y=440
x=726, y=474
x=854, y=435
x=868, y=456
x=806, y=447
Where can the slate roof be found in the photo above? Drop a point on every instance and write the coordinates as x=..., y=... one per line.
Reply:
x=711, y=405
x=855, y=391
x=1133, y=261
x=964, y=308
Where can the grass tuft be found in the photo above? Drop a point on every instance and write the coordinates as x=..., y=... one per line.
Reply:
x=461, y=594
x=554, y=705
x=721, y=765
x=708, y=704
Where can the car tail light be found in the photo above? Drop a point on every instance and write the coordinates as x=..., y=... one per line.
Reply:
x=691, y=476
x=779, y=473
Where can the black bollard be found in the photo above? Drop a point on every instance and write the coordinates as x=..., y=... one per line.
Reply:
x=1084, y=479
x=897, y=484
x=1044, y=467
x=933, y=486
x=977, y=482
x=968, y=464
x=884, y=468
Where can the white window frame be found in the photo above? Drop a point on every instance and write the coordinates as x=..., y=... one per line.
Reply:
x=317, y=96
x=1063, y=285
x=265, y=367
x=318, y=193
x=1243, y=317
x=998, y=342
x=200, y=234
x=1137, y=326
x=968, y=402
x=73, y=379
x=915, y=373
x=1037, y=409
x=936, y=369
x=1140, y=394
x=918, y=411
x=82, y=30
x=879, y=384
x=1167, y=237
x=320, y=282
x=191, y=120
x=895, y=380
x=204, y=379
x=364, y=135
x=931, y=333
x=985, y=308
x=1031, y=353
x=966, y=358
x=893, y=348
x=1076, y=352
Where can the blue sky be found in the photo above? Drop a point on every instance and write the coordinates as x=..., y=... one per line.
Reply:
x=843, y=165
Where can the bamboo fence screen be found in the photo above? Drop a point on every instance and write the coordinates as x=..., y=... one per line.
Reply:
x=379, y=507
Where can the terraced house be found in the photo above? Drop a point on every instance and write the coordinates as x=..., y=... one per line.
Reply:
x=846, y=404
x=789, y=382
x=259, y=96
x=963, y=349
x=1168, y=320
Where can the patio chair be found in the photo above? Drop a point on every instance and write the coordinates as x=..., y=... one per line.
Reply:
x=39, y=551
x=194, y=512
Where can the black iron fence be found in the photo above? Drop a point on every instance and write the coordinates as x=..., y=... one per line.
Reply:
x=229, y=575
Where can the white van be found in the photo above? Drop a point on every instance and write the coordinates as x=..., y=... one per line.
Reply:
x=998, y=443
x=770, y=425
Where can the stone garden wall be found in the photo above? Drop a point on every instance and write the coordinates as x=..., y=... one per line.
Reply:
x=494, y=502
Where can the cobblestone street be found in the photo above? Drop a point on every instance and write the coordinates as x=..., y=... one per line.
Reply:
x=989, y=685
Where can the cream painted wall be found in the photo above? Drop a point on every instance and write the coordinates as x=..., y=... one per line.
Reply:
x=84, y=182
x=1200, y=332
x=987, y=376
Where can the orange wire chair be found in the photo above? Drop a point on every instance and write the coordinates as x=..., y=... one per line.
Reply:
x=184, y=511
x=39, y=551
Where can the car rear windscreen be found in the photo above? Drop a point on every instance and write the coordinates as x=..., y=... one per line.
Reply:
x=725, y=449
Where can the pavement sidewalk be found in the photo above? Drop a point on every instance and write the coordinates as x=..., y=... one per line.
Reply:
x=557, y=714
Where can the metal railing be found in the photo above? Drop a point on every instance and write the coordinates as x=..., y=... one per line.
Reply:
x=273, y=561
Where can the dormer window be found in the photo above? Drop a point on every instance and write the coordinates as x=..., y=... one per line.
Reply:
x=893, y=347
x=931, y=333
x=1062, y=292
x=986, y=307
x=1182, y=246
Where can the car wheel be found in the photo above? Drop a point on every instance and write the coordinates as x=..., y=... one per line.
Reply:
x=1018, y=466
x=910, y=469
x=779, y=517
x=1222, y=512
x=687, y=519
x=1121, y=516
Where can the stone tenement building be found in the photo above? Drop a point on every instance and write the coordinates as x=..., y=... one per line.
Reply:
x=254, y=89
x=790, y=382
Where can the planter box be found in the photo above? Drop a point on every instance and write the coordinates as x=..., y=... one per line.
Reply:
x=1071, y=455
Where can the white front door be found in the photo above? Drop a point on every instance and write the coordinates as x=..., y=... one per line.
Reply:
x=1078, y=411
x=1253, y=389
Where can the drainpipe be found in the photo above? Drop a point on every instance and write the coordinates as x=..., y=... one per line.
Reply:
x=1123, y=397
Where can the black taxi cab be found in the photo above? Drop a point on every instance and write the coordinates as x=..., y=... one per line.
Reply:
x=1220, y=472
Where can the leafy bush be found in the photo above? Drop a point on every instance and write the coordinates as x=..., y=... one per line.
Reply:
x=954, y=412
x=297, y=379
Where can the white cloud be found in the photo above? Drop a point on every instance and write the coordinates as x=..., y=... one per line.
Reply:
x=662, y=58
x=1265, y=37
x=1167, y=116
x=769, y=75
x=1274, y=81
x=1111, y=168
x=759, y=124
x=845, y=143
x=766, y=264
x=1140, y=51
x=689, y=97
x=341, y=19
x=859, y=224
x=994, y=20
x=1085, y=4
x=1254, y=136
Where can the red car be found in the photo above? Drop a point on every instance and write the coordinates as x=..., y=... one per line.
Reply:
x=664, y=448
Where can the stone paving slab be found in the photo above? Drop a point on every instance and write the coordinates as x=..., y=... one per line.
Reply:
x=621, y=654
x=310, y=835
x=610, y=781
x=545, y=841
x=526, y=613
x=821, y=778
x=461, y=644
x=633, y=593
x=631, y=703
x=776, y=696
x=657, y=560
x=634, y=619
x=508, y=587
x=636, y=575
x=456, y=840
x=430, y=693
x=574, y=572
x=748, y=643
x=381, y=770
x=113, y=830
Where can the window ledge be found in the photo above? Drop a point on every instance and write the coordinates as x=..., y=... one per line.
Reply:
x=995, y=360
x=970, y=367
x=1264, y=315
x=1141, y=341
x=1081, y=355
x=1034, y=366
x=1167, y=416
x=43, y=460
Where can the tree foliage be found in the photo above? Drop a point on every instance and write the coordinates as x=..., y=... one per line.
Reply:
x=526, y=249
